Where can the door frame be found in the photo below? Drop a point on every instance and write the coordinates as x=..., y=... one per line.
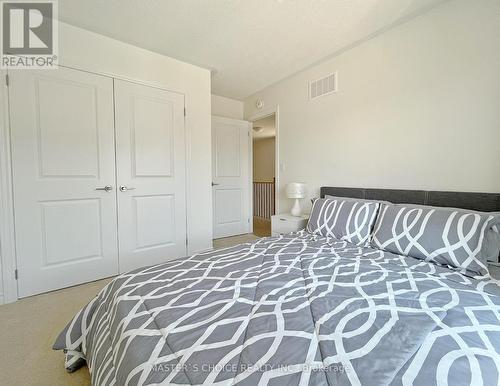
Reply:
x=250, y=165
x=265, y=112
x=8, y=256
x=7, y=234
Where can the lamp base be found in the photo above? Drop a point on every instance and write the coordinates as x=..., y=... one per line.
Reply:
x=296, y=209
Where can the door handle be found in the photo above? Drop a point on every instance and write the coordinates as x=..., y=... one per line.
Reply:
x=213, y=184
x=107, y=188
x=125, y=188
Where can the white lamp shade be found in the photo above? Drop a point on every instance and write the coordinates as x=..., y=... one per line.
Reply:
x=295, y=190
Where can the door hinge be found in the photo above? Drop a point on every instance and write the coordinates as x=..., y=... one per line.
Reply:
x=7, y=80
x=15, y=274
x=184, y=111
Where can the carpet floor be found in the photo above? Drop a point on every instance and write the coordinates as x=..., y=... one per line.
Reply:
x=29, y=327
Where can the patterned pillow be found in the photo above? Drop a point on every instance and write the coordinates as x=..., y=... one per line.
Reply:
x=345, y=219
x=493, y=242
x=446, y=236
x=355, y=199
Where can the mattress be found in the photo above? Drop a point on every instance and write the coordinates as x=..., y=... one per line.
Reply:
x=293, y=309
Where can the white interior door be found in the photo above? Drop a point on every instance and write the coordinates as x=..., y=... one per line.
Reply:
x=151, y=174
x=62, y=151
x=231, y=177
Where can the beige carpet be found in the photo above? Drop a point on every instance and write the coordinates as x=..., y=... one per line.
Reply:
x=234, y=240
x=29, y=327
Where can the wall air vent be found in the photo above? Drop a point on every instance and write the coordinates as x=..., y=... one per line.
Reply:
x=323, y=86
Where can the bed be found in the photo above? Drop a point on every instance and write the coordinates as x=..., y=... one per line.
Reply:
x=302, y=308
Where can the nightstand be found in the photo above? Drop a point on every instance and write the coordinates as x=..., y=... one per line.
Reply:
x=286, y=223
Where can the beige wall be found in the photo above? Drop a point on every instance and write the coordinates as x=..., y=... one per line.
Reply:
x=263, y=160
x=227, y=107
x=6, y=231
x=418, y=107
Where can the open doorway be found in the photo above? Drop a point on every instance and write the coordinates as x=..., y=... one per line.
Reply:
x=264, y=174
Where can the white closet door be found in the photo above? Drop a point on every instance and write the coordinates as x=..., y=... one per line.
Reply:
x=230, y=174
x=62, y=150
x=151, y=174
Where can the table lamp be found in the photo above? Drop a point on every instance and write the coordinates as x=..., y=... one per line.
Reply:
x=295, y=190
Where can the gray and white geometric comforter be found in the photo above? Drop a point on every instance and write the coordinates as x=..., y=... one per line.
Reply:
x=296, y=309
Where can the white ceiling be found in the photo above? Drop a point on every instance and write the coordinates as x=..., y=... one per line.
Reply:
x=268, y=125
x=249, y=44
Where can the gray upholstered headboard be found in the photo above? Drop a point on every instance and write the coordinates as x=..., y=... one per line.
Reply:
x=484, y=202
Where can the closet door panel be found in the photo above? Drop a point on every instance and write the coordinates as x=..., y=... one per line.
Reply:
x=62, y=137
x=150, y=159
